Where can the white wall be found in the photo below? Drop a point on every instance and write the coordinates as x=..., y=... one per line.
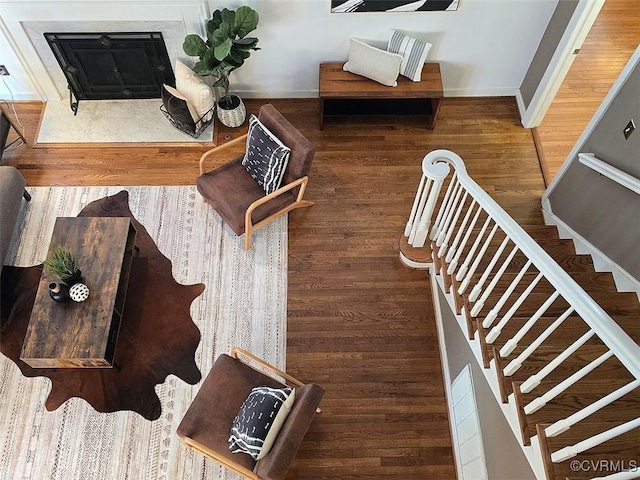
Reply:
x=485, y=47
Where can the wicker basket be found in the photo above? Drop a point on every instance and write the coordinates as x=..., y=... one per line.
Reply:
x=203, y=124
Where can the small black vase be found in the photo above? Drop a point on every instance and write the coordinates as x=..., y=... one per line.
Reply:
x=59, y=292
x=73, y=279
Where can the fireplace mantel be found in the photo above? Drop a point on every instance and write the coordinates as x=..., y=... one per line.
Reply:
x=23, y=21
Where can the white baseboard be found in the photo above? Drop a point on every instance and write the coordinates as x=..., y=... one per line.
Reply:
x=277, y=94
x=454, y=92
x=22, y=97
x=480, y=92
x=624, y=281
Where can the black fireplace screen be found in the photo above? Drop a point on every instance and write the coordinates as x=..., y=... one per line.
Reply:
x=100, y=66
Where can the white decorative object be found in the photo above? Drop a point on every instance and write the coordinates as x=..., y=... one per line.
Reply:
x=79, y=292
x=378, y=65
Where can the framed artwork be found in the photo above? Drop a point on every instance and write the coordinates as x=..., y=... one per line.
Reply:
x=356, y=6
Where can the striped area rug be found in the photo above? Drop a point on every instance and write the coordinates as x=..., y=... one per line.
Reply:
x=244, y=304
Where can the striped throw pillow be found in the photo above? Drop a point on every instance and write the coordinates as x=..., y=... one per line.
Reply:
x=414, y=53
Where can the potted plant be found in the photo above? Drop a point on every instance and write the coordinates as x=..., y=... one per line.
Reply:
x=225, y=49
x=62, y=263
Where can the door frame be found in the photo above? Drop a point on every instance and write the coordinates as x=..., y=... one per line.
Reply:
x=574, y=35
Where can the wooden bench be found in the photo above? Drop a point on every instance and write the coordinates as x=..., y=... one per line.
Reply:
x=344, y=93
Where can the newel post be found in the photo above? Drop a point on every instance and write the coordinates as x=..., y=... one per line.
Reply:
x=433, y=174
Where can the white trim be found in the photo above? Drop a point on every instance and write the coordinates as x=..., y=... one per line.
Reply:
x=625, y=282
x=413, y=264
x=480, y=92
x=633, y=62
x=581, y=21
x=444, y=364
x=192, y=14
x=531, y=452
x=520, y=102
x=609, y=171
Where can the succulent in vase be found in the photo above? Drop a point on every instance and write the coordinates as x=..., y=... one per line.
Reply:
x=63, y=264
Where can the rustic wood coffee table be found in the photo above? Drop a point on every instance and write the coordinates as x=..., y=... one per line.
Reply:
x=83, y=335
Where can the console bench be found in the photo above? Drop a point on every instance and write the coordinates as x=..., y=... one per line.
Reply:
x=344, y=93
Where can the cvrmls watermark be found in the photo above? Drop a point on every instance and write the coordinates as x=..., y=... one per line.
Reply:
x=605, y=466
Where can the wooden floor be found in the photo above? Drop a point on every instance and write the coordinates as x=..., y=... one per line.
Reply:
x=610, y=43
x=360, y=323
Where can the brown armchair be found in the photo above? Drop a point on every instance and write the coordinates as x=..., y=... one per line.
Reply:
x=239, y=199
x=207, y=423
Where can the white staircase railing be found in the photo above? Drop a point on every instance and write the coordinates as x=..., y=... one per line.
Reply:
x=475, y=242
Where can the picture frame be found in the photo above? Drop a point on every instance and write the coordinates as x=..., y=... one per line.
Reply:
x=368, y=6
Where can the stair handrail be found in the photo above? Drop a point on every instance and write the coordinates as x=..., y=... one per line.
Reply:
x=609, y=332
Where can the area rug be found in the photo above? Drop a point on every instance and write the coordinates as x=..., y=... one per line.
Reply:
x=156, y=336
x=243, y=304
x=111, y=121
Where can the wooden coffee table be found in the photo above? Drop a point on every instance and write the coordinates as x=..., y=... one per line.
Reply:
x=83, y=335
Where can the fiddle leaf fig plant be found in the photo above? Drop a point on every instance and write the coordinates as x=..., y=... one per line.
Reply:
x=226, y=48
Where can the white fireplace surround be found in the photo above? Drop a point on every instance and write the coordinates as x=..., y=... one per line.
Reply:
x=172, y=33
x=27, y=23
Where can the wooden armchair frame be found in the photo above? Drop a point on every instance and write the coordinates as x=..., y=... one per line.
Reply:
x=249, y=226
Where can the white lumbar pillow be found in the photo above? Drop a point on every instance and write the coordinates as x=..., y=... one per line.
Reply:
x=195, y=89
x=373, y=63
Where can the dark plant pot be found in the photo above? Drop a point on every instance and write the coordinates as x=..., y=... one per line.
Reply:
x=232, y=113
x=59, y=292
x=73, y=279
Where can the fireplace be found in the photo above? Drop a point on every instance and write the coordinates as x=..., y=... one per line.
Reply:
x=109, y=66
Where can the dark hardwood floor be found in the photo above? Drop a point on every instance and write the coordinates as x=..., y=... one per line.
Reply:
x=360, y=323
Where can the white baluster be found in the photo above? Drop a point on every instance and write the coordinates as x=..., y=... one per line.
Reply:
x=470, y=255
x=448, y=216
x=534, y=380
x=493, y=313
x=461, y=231
x=418, y=204
x=476, y=261
x=517, y=362
x=495, y=332
x=436, y=173
x=443, y=206
x=454, y=261
x=512, y=343
x=539, y=402
x=477, y=289
x=443, y=248
x=571, y=451
x=565, y=424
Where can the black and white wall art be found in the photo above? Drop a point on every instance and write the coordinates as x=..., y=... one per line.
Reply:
x=349, y=6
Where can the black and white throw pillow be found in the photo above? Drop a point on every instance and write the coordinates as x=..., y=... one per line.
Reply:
x=266, y=158
x=259, y=420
